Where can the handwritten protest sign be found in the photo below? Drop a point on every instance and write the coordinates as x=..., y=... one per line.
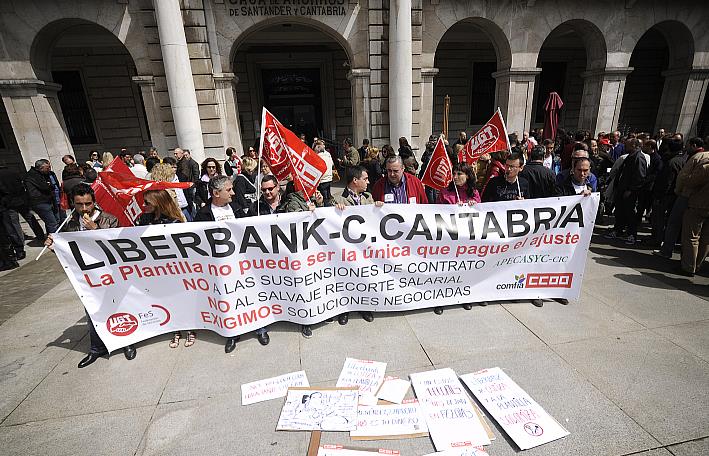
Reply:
x=381, y=422
x=339, y=450
x=238, y=276
x=449, y=412
x=364, y=374
x=319, y=409
x=522, y=418
x=271, y=388
x=464, y=451
x=393, y=389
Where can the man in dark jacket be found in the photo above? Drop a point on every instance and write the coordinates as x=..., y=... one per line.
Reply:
x=270, y=200
x=187, y=171
x=510, y=186
x=541, y=179
x=15, y=202
x=87, y=217
x=44, y=193
x=631, y=180
x=663, y=194
x=577, y=181
x=221, y=207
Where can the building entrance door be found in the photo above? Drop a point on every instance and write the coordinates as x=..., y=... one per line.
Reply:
x=294, y=96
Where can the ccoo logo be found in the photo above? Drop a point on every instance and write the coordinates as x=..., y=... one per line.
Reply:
x=121, y=324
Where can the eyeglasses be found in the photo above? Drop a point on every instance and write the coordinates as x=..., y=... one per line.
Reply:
x=267, y=189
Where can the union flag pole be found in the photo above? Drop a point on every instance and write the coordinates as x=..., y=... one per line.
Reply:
x=446, y=110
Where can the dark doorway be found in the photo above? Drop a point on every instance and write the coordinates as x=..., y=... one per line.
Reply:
x=294, y=97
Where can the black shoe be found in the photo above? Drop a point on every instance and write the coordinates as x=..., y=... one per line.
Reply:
x=537, y=302
x=467, y=306
x=306, y=331
x=343, y=318
x=20, y=255
x=7, y=265
x=130, y=352
x=368, y=316
x=682, y=272
x=230, y=344
x=563, y=301
x=90, y=358
x=263, y=338
x=438, y=310
x=482, y=303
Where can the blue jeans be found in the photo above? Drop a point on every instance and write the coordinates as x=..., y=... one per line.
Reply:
x=186, y=213
x=49, y=215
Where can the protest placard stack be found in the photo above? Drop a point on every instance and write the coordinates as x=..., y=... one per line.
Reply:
x=372, y=406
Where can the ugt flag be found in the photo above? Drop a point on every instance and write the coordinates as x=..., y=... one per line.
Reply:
x=119, y=192
x=439, y=172
x=492, y=137
x=287, y=155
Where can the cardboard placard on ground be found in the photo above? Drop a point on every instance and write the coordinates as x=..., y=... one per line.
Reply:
x=364, y=374
x=385, y=422
x=339, y=450
x=449, y=412
x=464, y=451
x=393, y=390
x=319, y=409
x=522, y=418
x=271, y=388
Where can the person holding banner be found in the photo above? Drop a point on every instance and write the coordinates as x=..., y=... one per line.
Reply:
x=355, y=194
x=509, y=186
x=87, y=216
x=219, y=208
x=270, y=197
x=577, y=181
x=399, y=187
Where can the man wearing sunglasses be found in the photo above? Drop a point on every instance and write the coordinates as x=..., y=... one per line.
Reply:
x=270, y=199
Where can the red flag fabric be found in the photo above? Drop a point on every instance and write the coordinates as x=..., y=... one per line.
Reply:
x=119, y=192
x=287, y=155
x=439, y=172
x=492, y=137
x=551, y=115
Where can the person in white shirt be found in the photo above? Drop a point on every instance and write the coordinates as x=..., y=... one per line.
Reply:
x=138, y=169
x=326, y=179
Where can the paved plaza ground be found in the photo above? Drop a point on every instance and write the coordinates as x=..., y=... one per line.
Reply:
x=625, y=369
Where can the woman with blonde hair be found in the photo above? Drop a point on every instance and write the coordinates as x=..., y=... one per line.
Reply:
x=165, y=172
x=245, y=183
x=106, y=159
x=159, y=208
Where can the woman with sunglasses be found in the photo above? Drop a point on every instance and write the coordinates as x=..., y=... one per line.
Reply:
x=160, y=208
x=210, y=168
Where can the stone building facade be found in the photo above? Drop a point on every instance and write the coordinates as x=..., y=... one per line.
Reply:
x=80, y=75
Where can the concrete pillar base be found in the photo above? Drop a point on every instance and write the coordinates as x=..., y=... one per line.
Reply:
x=361, y=106
x=602, y=98
x=514, y=94
x=152, y=112
x=228, y=109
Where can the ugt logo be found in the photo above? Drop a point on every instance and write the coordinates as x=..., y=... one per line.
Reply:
x=121, y=324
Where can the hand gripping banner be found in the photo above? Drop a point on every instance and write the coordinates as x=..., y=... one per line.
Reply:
x=235, y=277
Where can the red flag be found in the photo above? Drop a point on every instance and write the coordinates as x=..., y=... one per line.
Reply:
x=119, y=192
x=287, y=155
x=439, y=172
x=492, y=137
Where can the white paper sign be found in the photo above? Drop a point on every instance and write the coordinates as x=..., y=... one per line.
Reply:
x=338, y=450
x=520, y=416
x=271, y=388
x=449, y=413
x=365, y=375
x=390, y=422
x=393, y=390
x=465, y=451
x=319, y=409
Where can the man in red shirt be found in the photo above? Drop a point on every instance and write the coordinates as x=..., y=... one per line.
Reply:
x=399, y=187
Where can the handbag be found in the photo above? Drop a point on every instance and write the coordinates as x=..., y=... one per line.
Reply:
x=335, y=176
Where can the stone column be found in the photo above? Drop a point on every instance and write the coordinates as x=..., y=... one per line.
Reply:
x=228, y=109
x=36, y=121
x=180, y=85
x=400, y=71
x=602, y=98
x=514, y=95
x=361, y=107
x=152, y=111
x=426, y=121
x=682, y=99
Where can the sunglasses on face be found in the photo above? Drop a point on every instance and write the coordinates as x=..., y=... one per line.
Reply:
x=267, y=189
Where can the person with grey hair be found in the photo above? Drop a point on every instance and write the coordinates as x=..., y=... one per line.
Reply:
x=398, y=186
x=139, y=170
x=221, y=207
x=44, y=194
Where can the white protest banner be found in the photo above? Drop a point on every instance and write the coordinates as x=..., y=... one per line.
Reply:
x=393, y=389
x=339, y=450
x=364, y=374
x=271, y=388
x=382, y=422
x=235, y=277
x=525, y=421
x=319, y=409
x=449, y=412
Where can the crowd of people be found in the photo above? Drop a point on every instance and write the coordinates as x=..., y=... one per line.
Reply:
x=637, y=175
